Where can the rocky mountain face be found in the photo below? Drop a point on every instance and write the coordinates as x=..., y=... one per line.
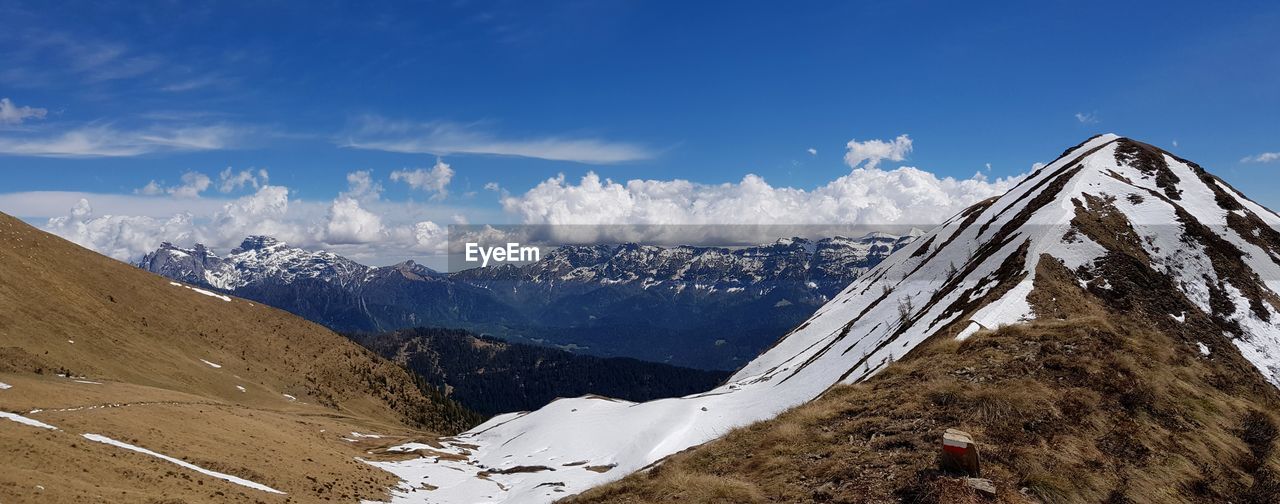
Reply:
x=1118, y=286
x=704, y=307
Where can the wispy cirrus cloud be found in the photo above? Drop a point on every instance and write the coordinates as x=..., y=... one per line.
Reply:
x=445, y=138
x=52, y=57
x=1265, y=157
x=1087, y=117
x=107, y=140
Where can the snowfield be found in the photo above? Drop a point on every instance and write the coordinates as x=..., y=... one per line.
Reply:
x=973, y=272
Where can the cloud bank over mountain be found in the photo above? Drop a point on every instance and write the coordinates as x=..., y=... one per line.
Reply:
x=359, y=222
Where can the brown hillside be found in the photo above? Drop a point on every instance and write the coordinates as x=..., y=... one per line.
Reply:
x=92, y=345
x=1105, y=398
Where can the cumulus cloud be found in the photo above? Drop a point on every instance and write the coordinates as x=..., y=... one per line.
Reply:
x=430, y=235
x=229, y=180
x=1265, y=157
x=872, y=152
x=1087, y=117
x=193, y=183
x=812, y=151
x=109, y=141
x=866, y=196
x=118, y=236
x=361, y=186
x=127, y=237
x=349, y=223
x=434, y=181
x=375, y=231
x=360, y=224
x=13, y=114
x=443, y=139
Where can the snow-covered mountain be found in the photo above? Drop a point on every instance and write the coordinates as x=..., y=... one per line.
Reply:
x=705, y=307
x=258, y=259
x=1117, y=217
x=825, y=263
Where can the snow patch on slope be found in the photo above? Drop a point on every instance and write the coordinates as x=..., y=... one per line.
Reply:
x=25, y=421
x=182, y=463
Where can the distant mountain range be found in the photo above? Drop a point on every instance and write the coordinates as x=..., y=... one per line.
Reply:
x=705, y=307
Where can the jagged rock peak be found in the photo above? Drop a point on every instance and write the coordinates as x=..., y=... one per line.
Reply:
x=258, y=242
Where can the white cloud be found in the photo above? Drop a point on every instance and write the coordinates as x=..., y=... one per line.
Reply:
x=866, y=196
x=265, y=212
x=361, y=186
x=1087, y=117
x=152, y=188
x=193, y=183
x=874, y=151
x=442, y=139
x=118, y=236
x=45, y=204
x=812, y=151
x=13, y=114
x=348, y=223
x=374, y=231
x=1265, y=157
x=430, y=235
x=229, y=180
x=360, y=224
x=108, y=141
x=434, y=181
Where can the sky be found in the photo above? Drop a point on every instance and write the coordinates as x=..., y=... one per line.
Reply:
x=369, y=129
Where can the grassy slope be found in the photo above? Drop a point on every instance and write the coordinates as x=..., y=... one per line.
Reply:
x=70, y=311
x=1106, y=398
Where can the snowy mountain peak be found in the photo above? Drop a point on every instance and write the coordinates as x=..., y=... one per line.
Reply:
x=258, y=242
x=257, y=259
x=1113, y=222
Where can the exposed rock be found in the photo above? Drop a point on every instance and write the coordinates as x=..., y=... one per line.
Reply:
x=982, y=485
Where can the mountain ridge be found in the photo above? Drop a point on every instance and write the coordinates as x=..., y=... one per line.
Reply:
x=1109, y=207
x=690, y=306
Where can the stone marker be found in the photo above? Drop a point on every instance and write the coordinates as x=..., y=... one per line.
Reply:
x=959, y=453
x=982, y=486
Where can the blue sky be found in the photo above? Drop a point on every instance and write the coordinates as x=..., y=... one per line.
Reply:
x=104, y=98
